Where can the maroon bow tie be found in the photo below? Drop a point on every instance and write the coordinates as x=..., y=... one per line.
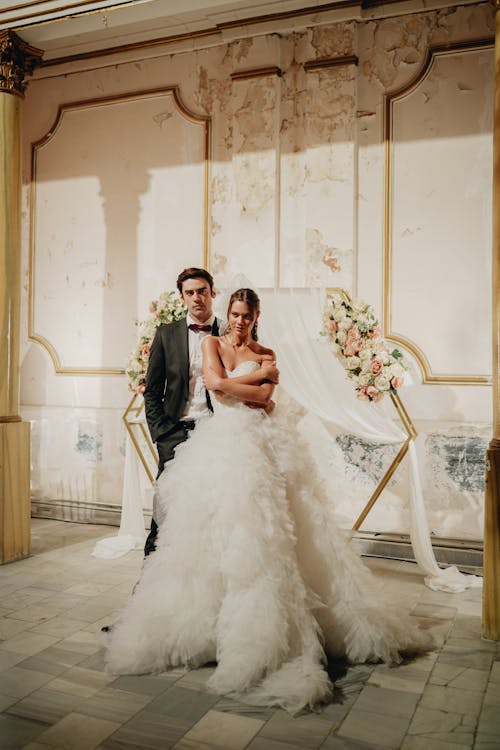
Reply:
x=196, y=327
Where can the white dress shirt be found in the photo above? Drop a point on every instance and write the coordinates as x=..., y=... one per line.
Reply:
x=196, y=405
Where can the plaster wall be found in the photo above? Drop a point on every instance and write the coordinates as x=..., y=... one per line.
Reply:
x=292, y=189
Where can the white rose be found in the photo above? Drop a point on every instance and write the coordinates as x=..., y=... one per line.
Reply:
x=345, y=324
x=339, y=314
x=396, y=370
x=334, y=348
x=341, y=337
x=352, y=363
x=364, y=378
x=365, y=354
x=382, y=383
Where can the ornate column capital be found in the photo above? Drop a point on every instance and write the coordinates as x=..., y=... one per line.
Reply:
x=17, y=59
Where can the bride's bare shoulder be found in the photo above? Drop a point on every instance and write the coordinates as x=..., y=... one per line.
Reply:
x=264, y=351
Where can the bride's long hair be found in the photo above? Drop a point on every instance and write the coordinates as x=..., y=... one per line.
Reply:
x=252, y=300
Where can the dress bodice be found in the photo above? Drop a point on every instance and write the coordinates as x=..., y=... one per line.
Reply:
x=223, y=402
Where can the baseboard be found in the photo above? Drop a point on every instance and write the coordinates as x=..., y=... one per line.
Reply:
x=107, y=514
x=467, y=555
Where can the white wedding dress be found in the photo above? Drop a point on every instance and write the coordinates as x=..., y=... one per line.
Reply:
x=251, y=570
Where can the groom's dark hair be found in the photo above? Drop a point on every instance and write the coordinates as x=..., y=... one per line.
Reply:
x=194, y=273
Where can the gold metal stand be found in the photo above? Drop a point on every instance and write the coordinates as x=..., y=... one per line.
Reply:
x=408, y=427
x=133, y=425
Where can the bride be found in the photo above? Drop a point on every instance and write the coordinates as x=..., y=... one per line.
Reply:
x=251, y=570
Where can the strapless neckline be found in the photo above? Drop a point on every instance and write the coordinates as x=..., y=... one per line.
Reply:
x=247, y=366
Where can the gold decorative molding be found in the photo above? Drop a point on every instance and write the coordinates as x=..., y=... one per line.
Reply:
x=312, y=66
x=389, y=98
x=10, y=418
x=199, y=119
x=17, y=59
x=244, y=75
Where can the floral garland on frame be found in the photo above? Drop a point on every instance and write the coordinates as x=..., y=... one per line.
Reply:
x=355, y=337
x=167, y=308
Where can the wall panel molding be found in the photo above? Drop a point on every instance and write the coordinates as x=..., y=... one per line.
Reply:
x=37, y=294
x=393, y=192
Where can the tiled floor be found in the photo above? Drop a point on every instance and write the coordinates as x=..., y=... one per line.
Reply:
x=55, y=693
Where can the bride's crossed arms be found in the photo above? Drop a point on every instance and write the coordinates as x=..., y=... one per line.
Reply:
x=225, y=353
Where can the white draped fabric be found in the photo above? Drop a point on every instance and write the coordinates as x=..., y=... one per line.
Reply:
x=131, y=534
x=290, y=323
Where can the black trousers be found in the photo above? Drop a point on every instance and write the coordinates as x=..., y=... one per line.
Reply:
x=166, y=445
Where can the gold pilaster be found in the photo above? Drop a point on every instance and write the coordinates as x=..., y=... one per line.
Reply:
x=491, y=584
x=16, y=60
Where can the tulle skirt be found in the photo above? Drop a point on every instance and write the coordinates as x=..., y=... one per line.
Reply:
x=251, y=571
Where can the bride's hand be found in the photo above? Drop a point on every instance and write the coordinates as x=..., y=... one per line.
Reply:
x=269, y=370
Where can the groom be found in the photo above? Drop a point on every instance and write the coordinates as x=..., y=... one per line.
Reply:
x=175, y=396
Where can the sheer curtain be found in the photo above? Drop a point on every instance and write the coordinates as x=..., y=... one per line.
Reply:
x=290, y=322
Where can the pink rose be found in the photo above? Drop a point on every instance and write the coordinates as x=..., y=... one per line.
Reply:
x=152, y=307
x=375, y=332
x=354, y=342
x=331, y=326
x=397, y=381
x=141, y=388
x=376, y=367
x=145, y=349
x=372, y=392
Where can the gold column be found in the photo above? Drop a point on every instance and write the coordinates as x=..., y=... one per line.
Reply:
x=491, y=583
x=16, y=60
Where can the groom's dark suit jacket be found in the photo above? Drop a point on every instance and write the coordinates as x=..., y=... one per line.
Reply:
x=167, y=379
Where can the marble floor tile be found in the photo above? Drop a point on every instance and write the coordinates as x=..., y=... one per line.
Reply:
x=147, y=730
x=406, y=678
x=60, y=626
x=53, y=660
x=81, y=642
x=8, y=659
x=221, y=729
x=335, y=742
x=489, y=722
x=28, y=643
x=492, y=695
x=387, y=731
x=37, y=613
x=114, y=705
x=78, y=732
x=432, y=723
x=386, y=702
x=19, y=682
x=10, y=627
x=486, y=742
x=307, y=731
x=80, y=681
x=430, y=743
x=6, y=701
x=189, y=705
x=143, y=684
x=456, y=700
x=264, y=743
x=16, y=733
x=47, y=706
